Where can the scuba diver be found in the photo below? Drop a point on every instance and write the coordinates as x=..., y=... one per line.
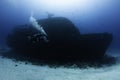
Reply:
x=42, y=35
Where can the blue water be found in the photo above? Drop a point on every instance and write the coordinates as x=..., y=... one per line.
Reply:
x=89, y=16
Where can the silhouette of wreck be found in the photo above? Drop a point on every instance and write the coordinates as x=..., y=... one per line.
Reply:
x=65, y=42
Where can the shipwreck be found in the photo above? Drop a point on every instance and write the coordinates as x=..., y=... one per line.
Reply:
x=63, y=42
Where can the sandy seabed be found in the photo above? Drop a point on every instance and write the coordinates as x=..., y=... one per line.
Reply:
x=11, y=70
